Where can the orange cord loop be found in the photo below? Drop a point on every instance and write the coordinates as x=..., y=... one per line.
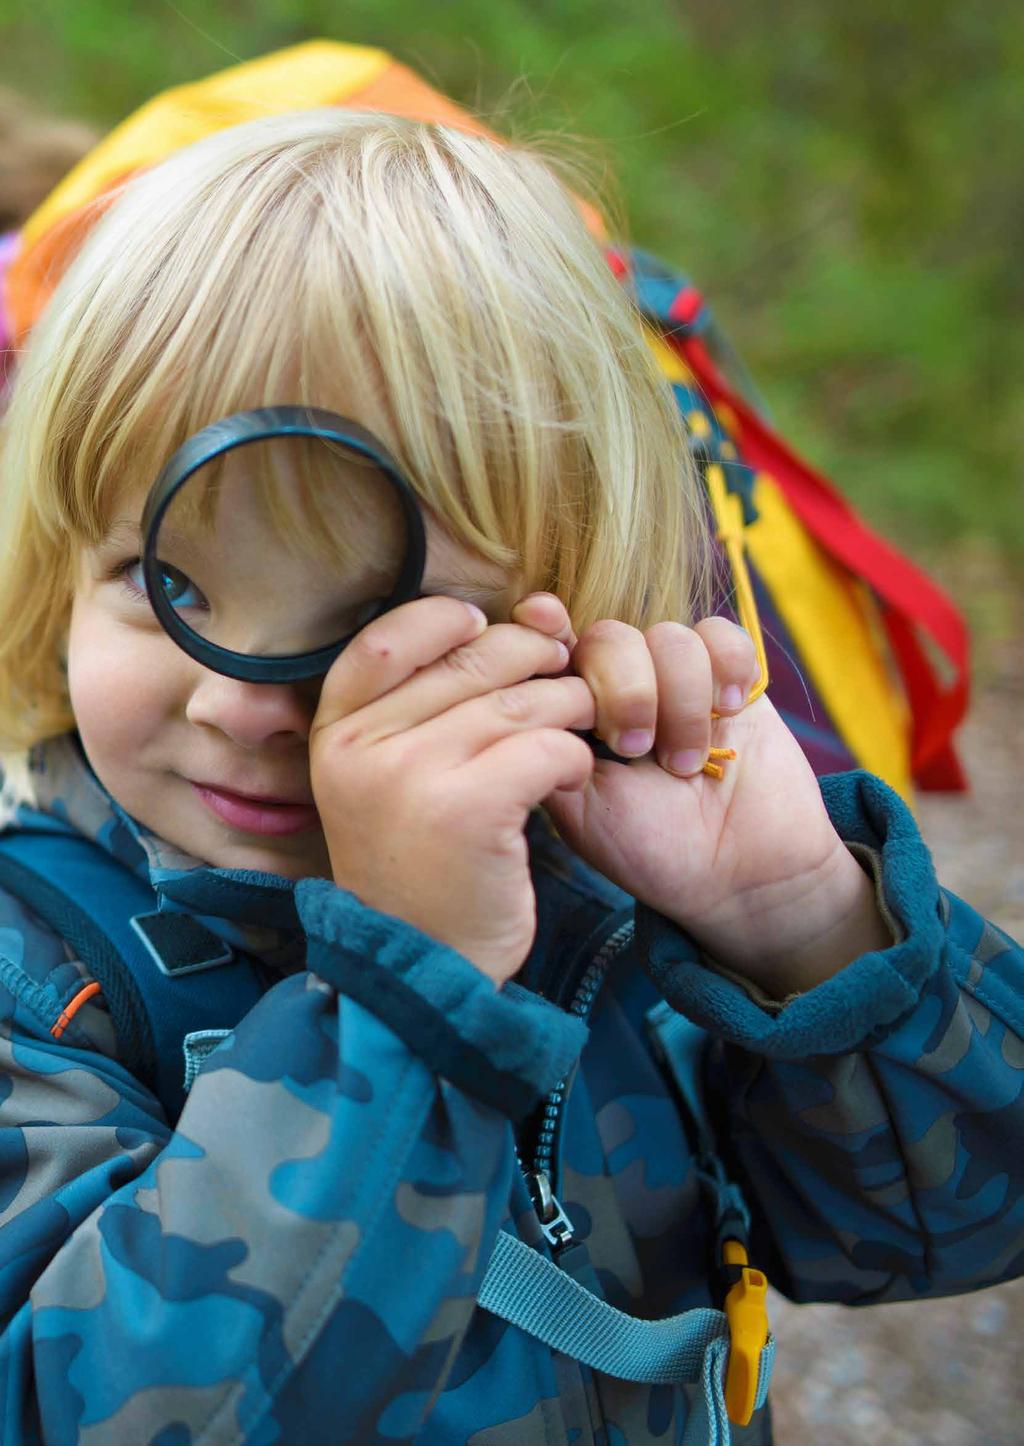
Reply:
x=69, y=1011
x=728, y=512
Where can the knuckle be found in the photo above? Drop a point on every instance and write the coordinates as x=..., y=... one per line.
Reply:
x=611, y=630
x=338, y=740
x=727, y=640
x=579, y=751
x=563, y=747
x=634, y=698
x=534, y=643
x=467, y=662
x=513, y=703
x=673, y=635
x=731, y=662
x=695, y=729
x=398, y=756
x=548, y=742
x=577, y=690
x=692, y=717
x=576, y=754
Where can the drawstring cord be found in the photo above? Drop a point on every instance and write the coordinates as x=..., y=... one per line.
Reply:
x=728, y=510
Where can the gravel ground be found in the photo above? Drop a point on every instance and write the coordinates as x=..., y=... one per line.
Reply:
x=943, y=1372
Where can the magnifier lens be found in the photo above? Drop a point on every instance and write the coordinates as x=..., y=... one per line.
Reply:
x=281, y=546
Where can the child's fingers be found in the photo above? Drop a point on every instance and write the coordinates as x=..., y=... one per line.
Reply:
x=685, y=683
x=526, y=768
x=614, y=659
x=391, y=649
x=467, y=730
x=505, y=655
x=734, y=665
x=548, y=614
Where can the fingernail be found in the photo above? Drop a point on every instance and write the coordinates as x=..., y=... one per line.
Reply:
x=688, y=760
x=732, y=696
x=478, y=613
x=635, y=742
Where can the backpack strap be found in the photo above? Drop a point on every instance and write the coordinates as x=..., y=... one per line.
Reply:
x=730, y=1352
x=915, y=611
x=163, y=975
x=679, y=1045
x=521, y=1286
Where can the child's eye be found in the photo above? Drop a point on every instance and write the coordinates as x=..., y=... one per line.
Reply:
x=181, y=591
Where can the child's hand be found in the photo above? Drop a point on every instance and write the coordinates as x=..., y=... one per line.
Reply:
x=432, y=741
x=748, y=864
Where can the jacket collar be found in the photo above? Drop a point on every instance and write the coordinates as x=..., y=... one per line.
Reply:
x=252, y=911
x=256, y=913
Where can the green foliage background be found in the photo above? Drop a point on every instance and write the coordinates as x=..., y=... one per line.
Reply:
x=843, y=180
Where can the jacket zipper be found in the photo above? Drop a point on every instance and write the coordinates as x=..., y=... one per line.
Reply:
x=540, y=1176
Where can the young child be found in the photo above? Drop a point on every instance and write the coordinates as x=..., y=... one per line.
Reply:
x=463, y=919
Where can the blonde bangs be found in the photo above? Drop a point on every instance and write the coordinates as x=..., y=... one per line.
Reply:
x=441, y=290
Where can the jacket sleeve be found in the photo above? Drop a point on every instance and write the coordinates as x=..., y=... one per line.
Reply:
x=298, y=1260
x=876, y=1121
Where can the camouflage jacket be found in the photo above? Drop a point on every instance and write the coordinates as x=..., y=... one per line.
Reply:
x=296, y=1259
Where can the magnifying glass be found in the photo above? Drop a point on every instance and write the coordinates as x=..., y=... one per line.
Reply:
x=273, y=536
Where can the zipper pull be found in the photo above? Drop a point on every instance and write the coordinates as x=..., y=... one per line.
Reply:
x=554, y=1222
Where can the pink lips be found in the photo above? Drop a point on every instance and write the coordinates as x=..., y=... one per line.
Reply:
x=256, y=815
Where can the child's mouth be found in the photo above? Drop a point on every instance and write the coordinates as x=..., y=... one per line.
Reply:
x=255, y=815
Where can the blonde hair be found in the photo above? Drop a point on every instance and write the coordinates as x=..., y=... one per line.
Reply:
x=440, y=288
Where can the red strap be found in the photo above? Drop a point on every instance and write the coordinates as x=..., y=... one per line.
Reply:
x=913, y=600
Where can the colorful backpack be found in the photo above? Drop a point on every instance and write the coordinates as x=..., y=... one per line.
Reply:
x=866, y=656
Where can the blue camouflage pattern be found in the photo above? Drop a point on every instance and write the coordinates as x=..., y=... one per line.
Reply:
x=296, y=1258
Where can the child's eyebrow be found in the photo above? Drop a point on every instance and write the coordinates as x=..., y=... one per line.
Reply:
x=127, y=531
x=124, y=529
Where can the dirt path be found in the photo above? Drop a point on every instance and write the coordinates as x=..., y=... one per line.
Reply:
x=944, y=1372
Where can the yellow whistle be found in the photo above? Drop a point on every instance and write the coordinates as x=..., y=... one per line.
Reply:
x=746, y=1309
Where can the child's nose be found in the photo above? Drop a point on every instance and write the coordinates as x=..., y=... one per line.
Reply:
x=251, y=713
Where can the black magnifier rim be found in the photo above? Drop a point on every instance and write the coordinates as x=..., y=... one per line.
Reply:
x=259, y=425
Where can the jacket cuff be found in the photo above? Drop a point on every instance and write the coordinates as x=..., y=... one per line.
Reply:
x=506, y=1048
x=866, y=1000
x=870, y=861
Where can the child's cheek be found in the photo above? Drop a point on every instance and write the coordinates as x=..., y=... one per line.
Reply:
x=121, y=689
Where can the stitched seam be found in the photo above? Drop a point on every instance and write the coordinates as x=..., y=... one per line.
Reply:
x=44, y=1001
x=983, y=993
x=41, y=999
x=269, y=891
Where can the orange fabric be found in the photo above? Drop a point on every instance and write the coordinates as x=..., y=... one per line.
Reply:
x=400, y=91
x=394, y=90
x=314, y=74
x=35, y=273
